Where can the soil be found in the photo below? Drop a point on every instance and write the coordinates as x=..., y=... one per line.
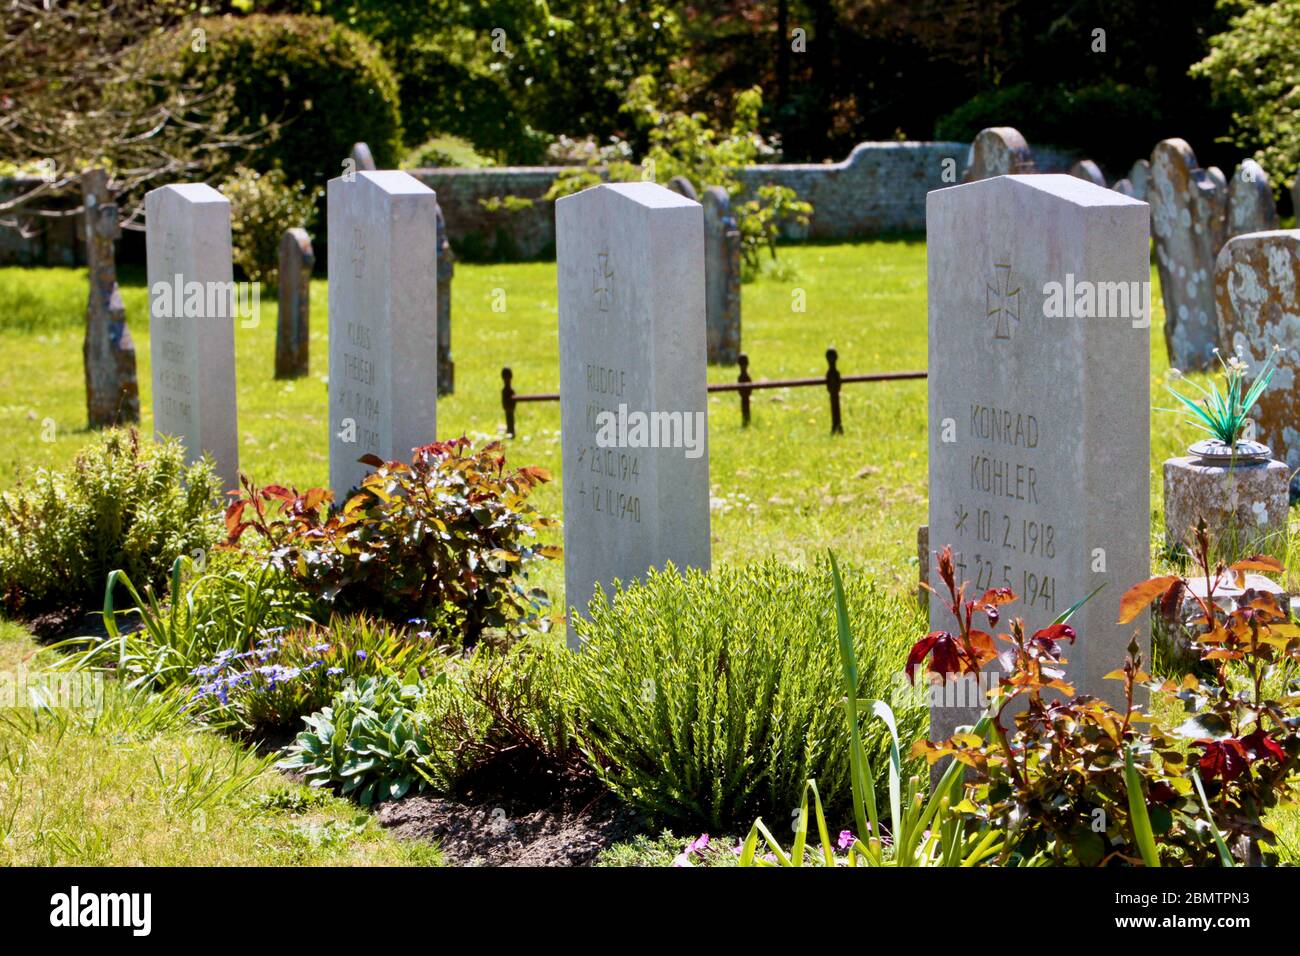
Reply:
x=569, y=832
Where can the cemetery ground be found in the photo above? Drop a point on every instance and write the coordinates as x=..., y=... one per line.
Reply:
x=783, y=488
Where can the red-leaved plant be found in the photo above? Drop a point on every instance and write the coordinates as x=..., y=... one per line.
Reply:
x=452, y=530
x=1070, y=776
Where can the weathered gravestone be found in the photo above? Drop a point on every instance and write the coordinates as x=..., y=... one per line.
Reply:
x=1140, y=177
x=1087, y=170
x=292, y=344
x=193, y=303
x=633, y=405
x=721, y=277
x=108, y=351
x=382, y=285
x=683, y=187
x=998, y=151
x=1250, y=201
x=1187, y=205
x=1257, y=294
x=1039, y=409
x=446, y=268
x=362, y=160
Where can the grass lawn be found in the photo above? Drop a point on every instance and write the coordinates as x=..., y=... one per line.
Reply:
x=138, y=784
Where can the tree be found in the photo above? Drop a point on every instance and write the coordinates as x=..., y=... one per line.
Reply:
x=1254, y=70
x=74, y=94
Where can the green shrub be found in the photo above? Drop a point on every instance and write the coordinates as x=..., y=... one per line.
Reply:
x=509, y=711
x=1254, y=70
x=452, y=529
x=370, y=742
x=293, y=673
x=709, y=699
x=313, y=86
x=232, y=606
x=126, y=503
x=262, y=207
x=1110, y=122
x=446, y=151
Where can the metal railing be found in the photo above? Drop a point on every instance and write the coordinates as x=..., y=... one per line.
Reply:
x=832, y=381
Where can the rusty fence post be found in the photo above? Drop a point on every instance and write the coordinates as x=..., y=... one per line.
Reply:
x=833, y=386
x=508, y=400
x=743, y=359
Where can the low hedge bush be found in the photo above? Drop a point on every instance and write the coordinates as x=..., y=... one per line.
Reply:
x=710, y=698
x=126, y=503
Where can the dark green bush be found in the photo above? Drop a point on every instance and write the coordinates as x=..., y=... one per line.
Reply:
x=709, y=699
x=314, y=85
x=125, y=503
x=1112, y=123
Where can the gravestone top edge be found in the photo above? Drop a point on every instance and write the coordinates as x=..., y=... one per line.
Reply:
x=394, y=182
x=192, y=192
x=649, y=195
x=1263, y=235
x=1072, y=189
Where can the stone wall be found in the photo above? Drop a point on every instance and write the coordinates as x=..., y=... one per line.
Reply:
x=41, y=241
x=879, y=188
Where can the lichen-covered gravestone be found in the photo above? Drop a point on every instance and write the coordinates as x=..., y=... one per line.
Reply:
x=293, y=327
x=998, y=151
x=1257, y=294
x=1087, y=170
x=108, y=351
x=383, y=384
x=721, y=276
x=446, y=268
x=1039, y=409
x=1187, y=218
x=192, y=312
x=1250, y=201
x=633, y=401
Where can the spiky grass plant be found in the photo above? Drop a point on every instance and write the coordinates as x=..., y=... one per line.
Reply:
x=1224, y=413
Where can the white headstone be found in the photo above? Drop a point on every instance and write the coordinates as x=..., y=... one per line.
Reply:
x=1039, y=406
x=631, y=298
x=383, y=278
x=193, y=304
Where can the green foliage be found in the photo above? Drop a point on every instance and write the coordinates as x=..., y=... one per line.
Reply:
x=708, y=699
x=232, y=607
x=1224, y=414
x=507, y=75
x=1254, y=70
x=445, y=151
x=1111, y=122
x=512, y=711
x=453, y=529
x=370, y=742
x=262, y=207
x=292, y=673
x=686, y=144
x=125, y=503
x=311, y=85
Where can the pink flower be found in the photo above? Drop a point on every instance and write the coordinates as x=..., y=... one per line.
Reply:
x=698, y=845
x=846, y=839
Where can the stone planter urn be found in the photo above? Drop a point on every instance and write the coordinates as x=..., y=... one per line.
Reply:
x=1239, y=491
